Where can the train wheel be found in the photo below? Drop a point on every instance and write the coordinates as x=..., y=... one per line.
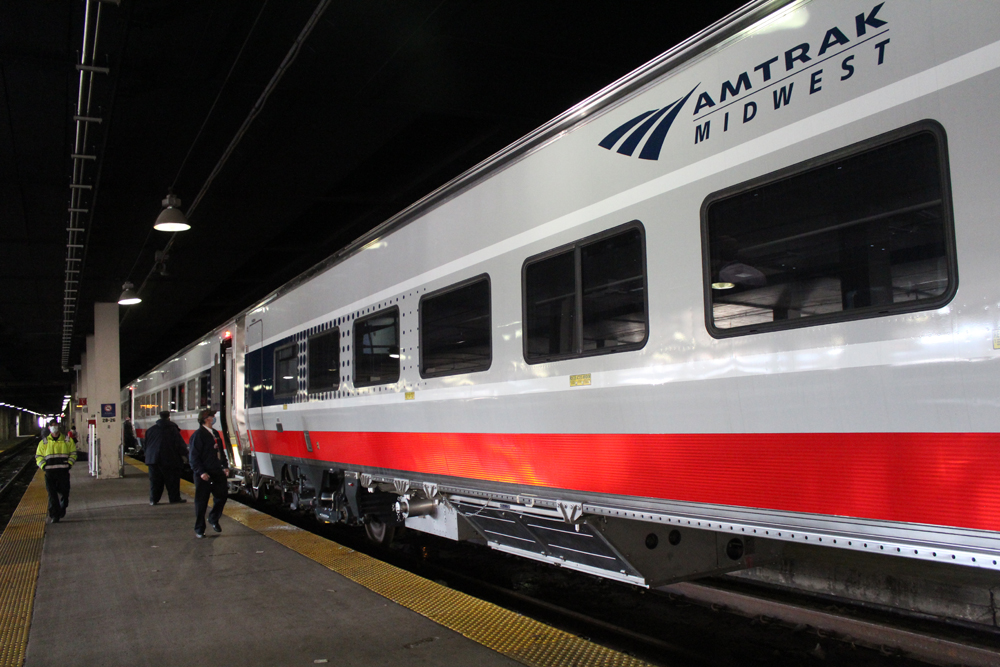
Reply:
x=380, y=532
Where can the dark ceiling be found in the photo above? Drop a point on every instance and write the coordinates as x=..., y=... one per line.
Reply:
x=386, y=101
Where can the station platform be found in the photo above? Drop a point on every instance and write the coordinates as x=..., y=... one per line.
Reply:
x=120, y=582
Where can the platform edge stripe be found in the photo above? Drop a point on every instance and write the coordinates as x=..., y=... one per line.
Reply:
x=20, y=558
x=518, y=637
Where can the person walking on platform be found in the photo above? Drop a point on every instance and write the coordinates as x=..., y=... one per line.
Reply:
x=164, y=459
x=55, y=455
x=210, y=468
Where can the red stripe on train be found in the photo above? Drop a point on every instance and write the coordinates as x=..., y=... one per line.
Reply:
x=948, y=479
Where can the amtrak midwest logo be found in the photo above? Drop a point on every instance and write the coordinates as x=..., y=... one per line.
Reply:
x=651, y=150
x=835, y=59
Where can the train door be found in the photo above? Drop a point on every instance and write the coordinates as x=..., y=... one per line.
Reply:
x=221, y=397
x=236, y=408
x=255, y=417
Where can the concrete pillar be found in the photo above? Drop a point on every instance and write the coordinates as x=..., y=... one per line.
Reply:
x=88, y=391
x=105, y=389
x=76, y=413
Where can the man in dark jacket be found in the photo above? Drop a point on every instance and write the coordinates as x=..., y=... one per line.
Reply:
x=210, y=468
x=164, y=458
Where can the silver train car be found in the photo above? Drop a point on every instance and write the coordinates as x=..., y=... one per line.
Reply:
x=708, y=314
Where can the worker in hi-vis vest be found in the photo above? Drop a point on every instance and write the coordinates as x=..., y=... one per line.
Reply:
x=56, y=454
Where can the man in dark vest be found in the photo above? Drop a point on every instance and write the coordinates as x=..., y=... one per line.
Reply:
x=164, y=457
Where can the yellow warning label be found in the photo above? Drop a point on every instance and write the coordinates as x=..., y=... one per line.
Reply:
x=579, y=380
x=410, y=395
x=996, y=339
x=285, y=406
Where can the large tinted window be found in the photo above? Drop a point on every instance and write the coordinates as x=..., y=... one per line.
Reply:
x=588, y=298
x=376, y=348
x=863, y=234
x=455, y=328
x=286, y=370
x=192, y=394
x=324, y=361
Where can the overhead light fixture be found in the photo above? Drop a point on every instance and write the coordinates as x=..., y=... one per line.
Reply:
x=129, y=296
x=171, y=218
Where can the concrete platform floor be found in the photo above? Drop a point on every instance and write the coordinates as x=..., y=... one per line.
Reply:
x=124, y=583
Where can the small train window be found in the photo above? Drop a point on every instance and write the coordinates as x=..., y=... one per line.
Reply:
x=192, y=394
x=865, y=232
x=286, y=370
x=173, y=399
x=205, y=389
x=323, y=360
x=587, y=298
x=376, y=348
x=455, y=329
x=180, y=397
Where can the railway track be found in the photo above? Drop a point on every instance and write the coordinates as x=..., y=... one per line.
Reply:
x=15, y=465
x=685, y=624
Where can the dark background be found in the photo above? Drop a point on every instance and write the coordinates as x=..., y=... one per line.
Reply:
x=386, y=101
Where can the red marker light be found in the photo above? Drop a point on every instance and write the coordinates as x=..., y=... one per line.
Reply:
x=228, y=334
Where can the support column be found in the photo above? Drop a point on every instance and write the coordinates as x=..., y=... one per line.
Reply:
x=106, y=390
x=88, y=410
x=76, y=415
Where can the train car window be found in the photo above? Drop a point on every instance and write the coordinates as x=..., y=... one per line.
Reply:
x=455, y=329
x=180, y=397
x=286, y=370
x=587, y=298
x=205, y=390
x=860, y=233
x=192, y=394
x=173, y=399
x=323, y=361
x=376, y=348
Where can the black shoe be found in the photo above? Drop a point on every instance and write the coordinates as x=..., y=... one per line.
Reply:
x=49, y=519
x=174, y=502
x=55, y=520
x=199, y=534
x=216, y=527
x=151, y=503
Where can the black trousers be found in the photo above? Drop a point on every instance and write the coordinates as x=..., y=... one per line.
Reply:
x=161, y=477
x=57, y=484
x=218, y=488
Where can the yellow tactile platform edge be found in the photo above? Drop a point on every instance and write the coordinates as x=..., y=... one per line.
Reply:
x=20, y=556
x=518, y=637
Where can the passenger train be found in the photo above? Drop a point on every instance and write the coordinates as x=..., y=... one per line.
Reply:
x=738, y=300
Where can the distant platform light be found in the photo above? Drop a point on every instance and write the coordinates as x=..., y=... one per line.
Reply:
x=129, y=296
x=171, y=218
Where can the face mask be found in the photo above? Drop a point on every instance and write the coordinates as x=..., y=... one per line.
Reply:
x=54, y=430
x=213, y=421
